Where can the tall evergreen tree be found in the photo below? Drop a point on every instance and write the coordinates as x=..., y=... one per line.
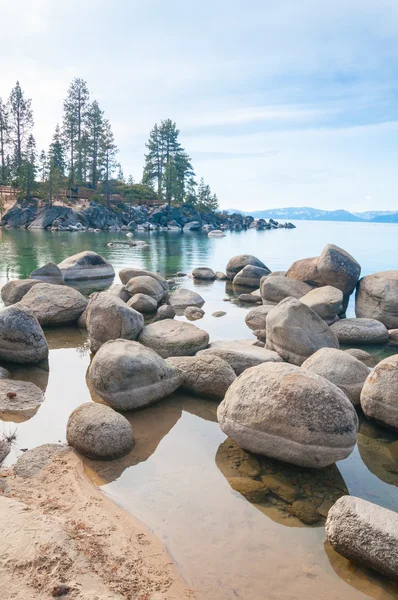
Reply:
x=20, y=123
x=56, y=165
x=75, y=112
x=43, y=165
x=26, y=178
x=94, y=134
x=107, y=157
x=4, y=126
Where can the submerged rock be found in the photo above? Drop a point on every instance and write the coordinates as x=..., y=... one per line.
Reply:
x=13, y=291
x=99, y=432
x=379, y=397
x=21, y=337
x=19, y=399
x=49, y=273
x=194, y=313
x=208, y=376
x=174, y=338
x=86, y=265
x=240, y=355
x=129, y=376
x=377, y=298
x=204, y=273
x=54, y=304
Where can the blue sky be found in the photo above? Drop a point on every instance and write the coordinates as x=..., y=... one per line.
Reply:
x=279, y=104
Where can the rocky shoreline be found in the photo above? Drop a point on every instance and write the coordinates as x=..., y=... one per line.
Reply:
x=96, y=217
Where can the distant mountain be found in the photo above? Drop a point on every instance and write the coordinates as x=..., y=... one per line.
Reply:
x=307, y=213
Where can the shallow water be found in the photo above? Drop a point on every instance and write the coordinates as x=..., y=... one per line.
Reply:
x=179, y=477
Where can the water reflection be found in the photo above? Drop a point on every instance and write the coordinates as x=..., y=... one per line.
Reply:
x=378, y=449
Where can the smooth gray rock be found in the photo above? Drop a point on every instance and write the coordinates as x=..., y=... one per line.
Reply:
x=99, y=432
x=306, y=269
x=342, y=369
x=275, y=289
x=377, y=298
x=295, y=331
x=367, y=359
x=54, y=304
x=174, y=338
x=326, y=301
x=182, y=298
x=194, y=313
x=221, y=276
x=165, y=312
x=129, y=273
x=86, y=265
x=49, y=273
x=143, y=303
x=21, y=337
x=145, y=284
x=204, y=273
x=288, y=413
x=256, y=317
x=240, y=355
x=249, y=299
x=338, y=268
x=379, y=397
x=13, y=291
x=364, y=533
x=360, y=331
x=109, y=318
x=19, y=399
x=250, y=276
x=119, y=290
x=129, y=376
x=207, y=376
x=237, y=263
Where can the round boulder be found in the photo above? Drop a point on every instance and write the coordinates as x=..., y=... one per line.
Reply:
x=204, y=273
x=237, y=263
x=143, y=303
x=288, y=413
x=182, y=298
x=239, y=354
x=221, y=276
x=194, y=313
x=306, y=269
x=377, y=298
x=342, y=369
x=207, y=376
x=54, y=304
x=86, y=265
x=275, y=289
x=360, y=331
x=19, y=399
x=256, y=317
x=127, y=274
x=118, y=290
x=128, y=376
x=295, y=331
x=326, y=301
x=145, y=284
x=250, y=276
x=109, y=318
x=174, y=338
x=165, y=312
x=367, y=359
x=49, y=273
x=338, y=268
x=13, y=291
x=21, y=337
x=379, y=397
x=99, y=432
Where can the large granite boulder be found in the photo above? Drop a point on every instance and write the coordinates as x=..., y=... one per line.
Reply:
x=250, y=276
x=109, y=318
x=174, y=338
x=360, y=331
x=295, y=331
x=289, y=413
x=342, y=369
x=377, y=298
x=204, y=375
x=99, y=432
x=21, y=337
x=86, y=265
x=275, y=289
x=165, y=312
x=237, y=263
x=54, y=304
x=128, y=376
x=204, y=273
x=143, y=303
x=306, y=269
x=145, y=284
x=49, y=273
x=19, y=400
x=129, y=273
x=119, y=290
x=365, y=533
x=182, y=298
x=379, y=397
x=365, y=357
x=326, y=301
x=13, y=291
x=239, y=354
x=338, y=268
x=256, y=318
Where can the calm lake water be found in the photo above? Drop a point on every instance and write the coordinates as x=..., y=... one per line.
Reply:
x=176, y=479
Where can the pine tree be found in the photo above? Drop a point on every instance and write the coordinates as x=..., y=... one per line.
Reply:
x=75, y=112
x=43, y=165
x=94, y=132
x=107, y=157
x=20, y=124
x=27, y=170
x=4, y=126
x=56, y=165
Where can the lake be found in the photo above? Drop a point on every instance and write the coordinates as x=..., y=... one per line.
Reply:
x=177, y=478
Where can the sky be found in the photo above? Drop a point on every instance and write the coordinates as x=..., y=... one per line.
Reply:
x=289, y=103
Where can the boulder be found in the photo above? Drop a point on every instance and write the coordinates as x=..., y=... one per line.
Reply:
x=377, y=298
x=49, y=273
x=129, y=376
x=86, y=265
x=256, y=317
x=342, y=369
x=379, y=397
x=240, y=355
x=109, y=318
x=143, y=303
x=204, y=273
x=127, y=274
x=295, y=331
x=220, y=276
x=365, y=533
x=393, y=337
x=338, y=269
x=306, y=269
x=19, y=399
x=165, y=312
x=237, y=263
x=216, y=233
x=54, y=304
x=326, y=301
x=21, y=337
x=145, y=284
x=275, y=289
x=207, y=376
x=250, y=276
x=367, y=359
x=119, y=290
x=99, y=432
x=182, y=298
x=174, y=338
x=194, y=313
x=218, y=314
x=13, y=291
x=249, y=299
x=289, y=413
x=360, y=331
